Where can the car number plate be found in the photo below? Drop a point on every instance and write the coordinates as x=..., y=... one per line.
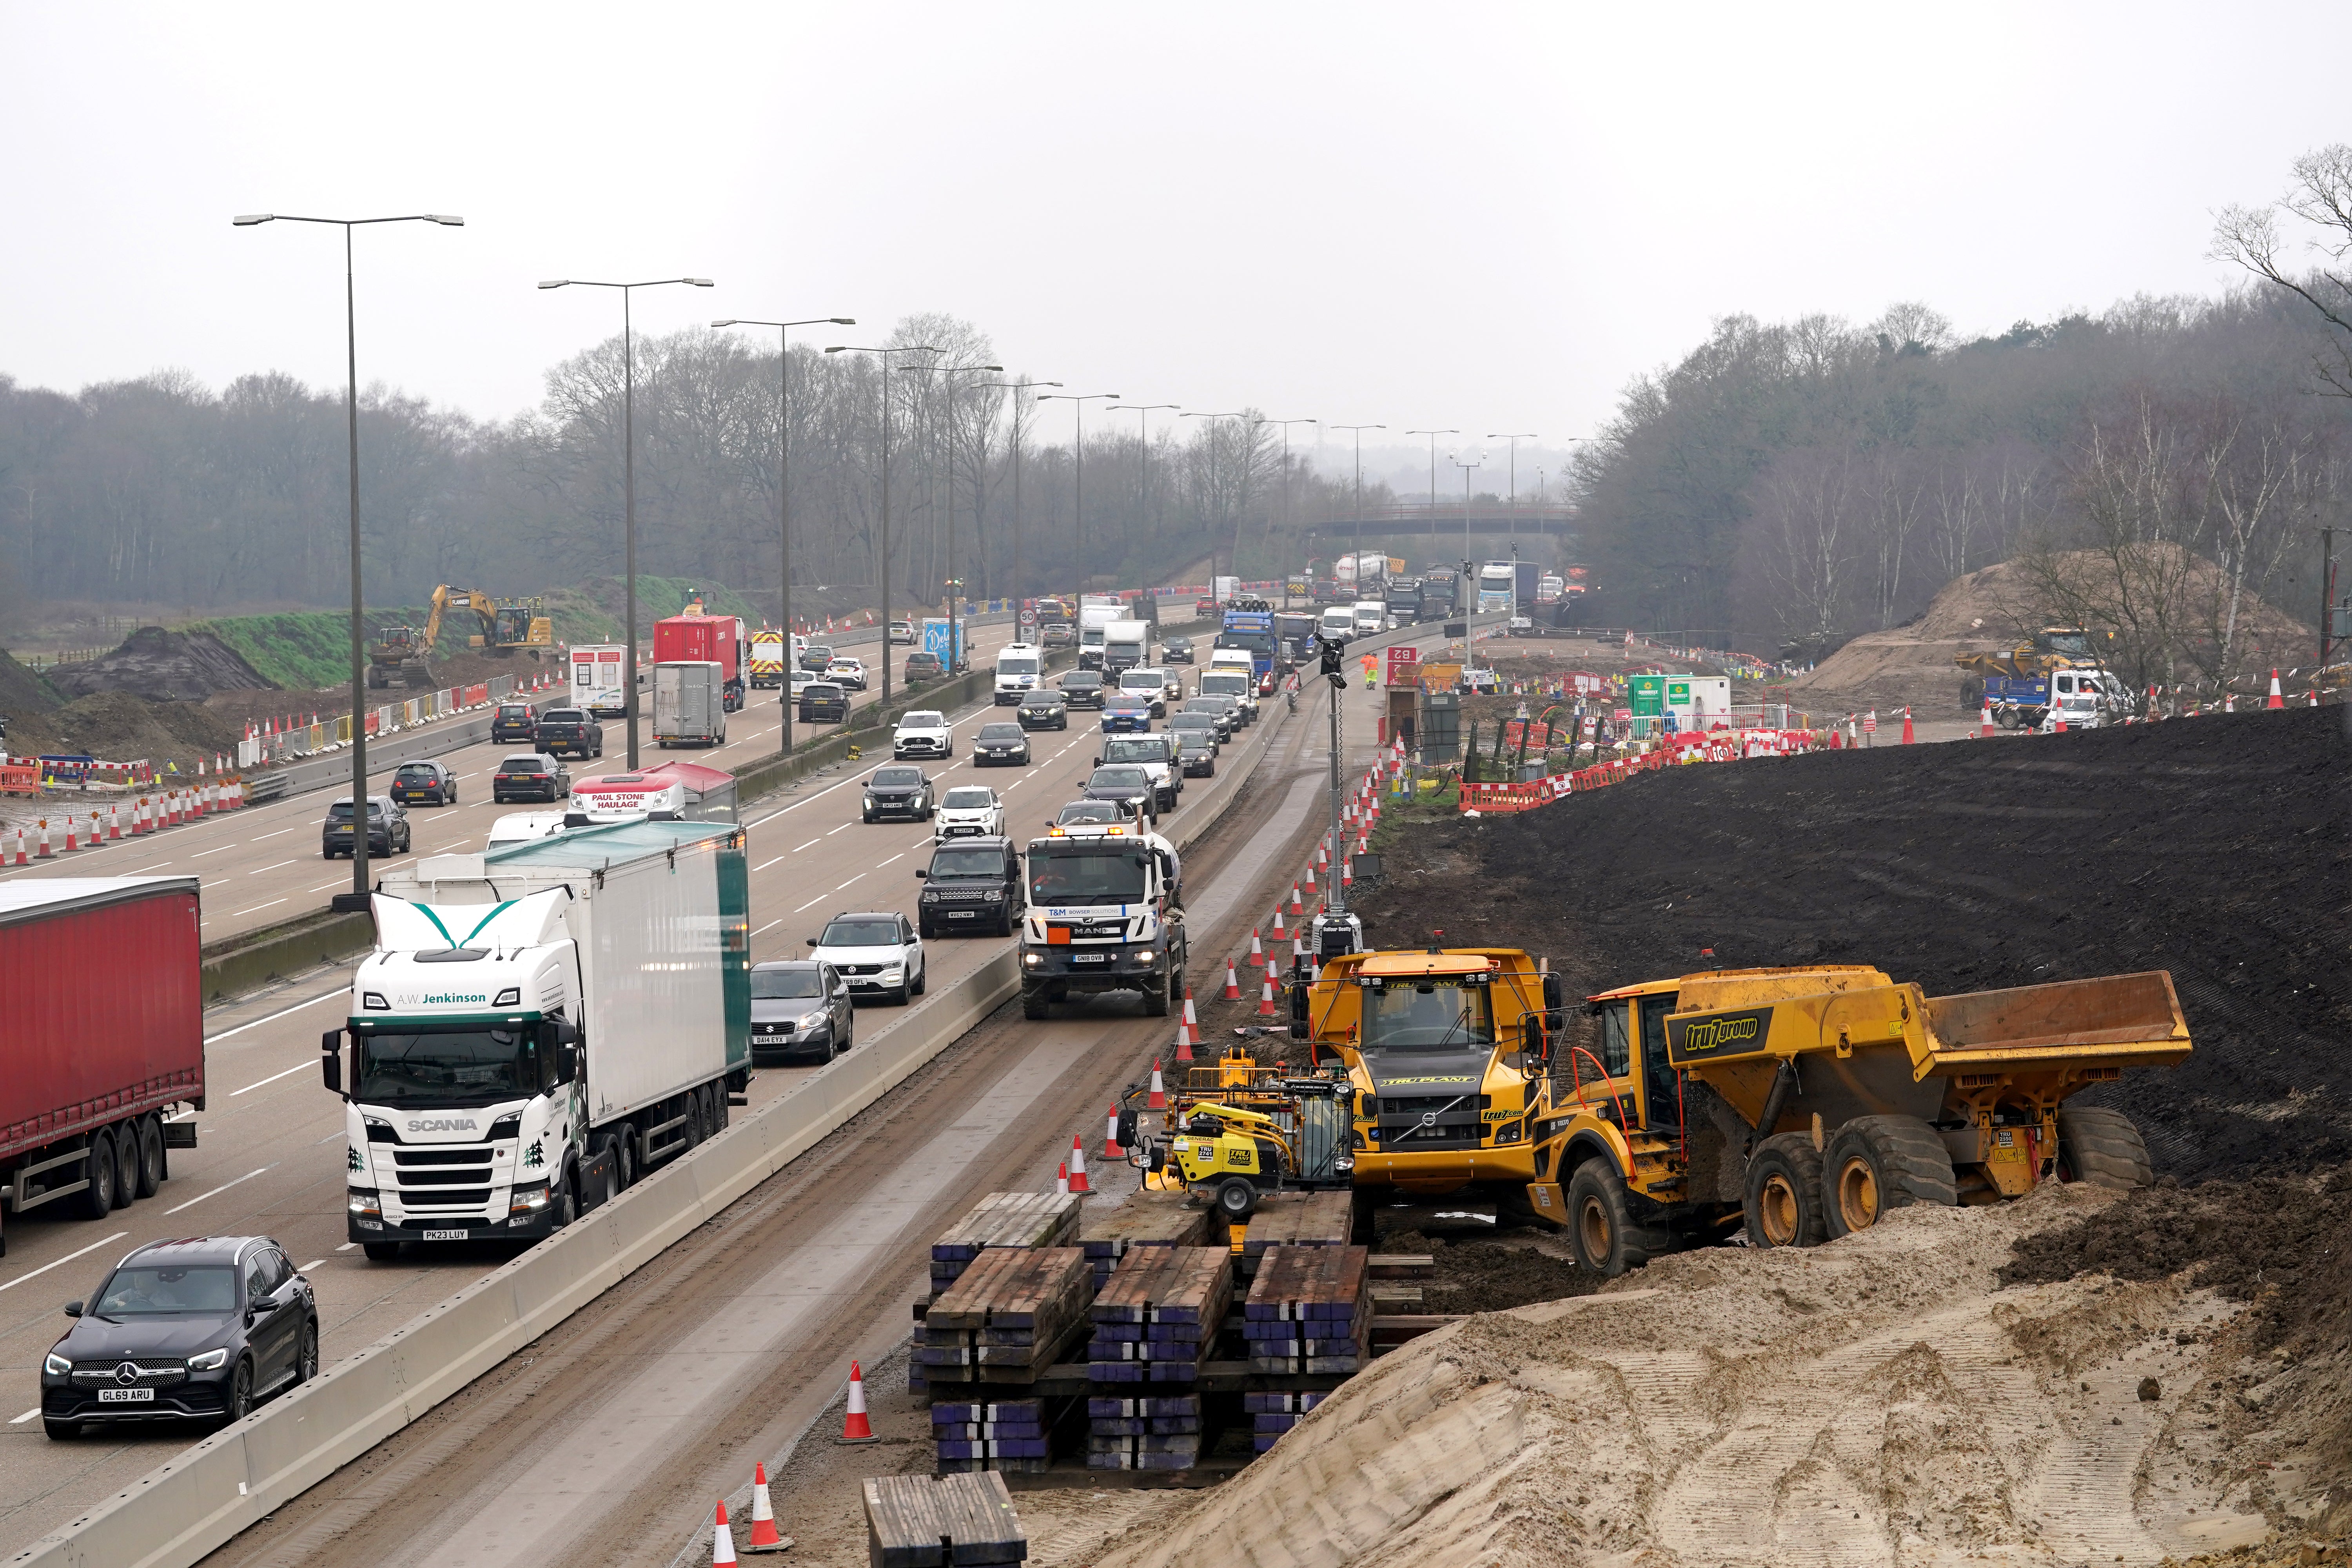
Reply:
x=962, y=914
x=1088, y=957
x=126, y=1396
x=444, y=1235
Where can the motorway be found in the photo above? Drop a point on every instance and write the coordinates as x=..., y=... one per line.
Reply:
x=268, y=1163
x=261, y=865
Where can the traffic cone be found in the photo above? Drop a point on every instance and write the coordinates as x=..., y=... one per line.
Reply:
x=16, y=857
x=1907, y=737
x=113, y=823
x=1183, y=1047
x=69, y=833
x=1279, y=930
x=1191, y=1020
x=45, y=852
x=1256, y=952
x=1061, y=1180
x=1266, y=999
x=1984, y=731
x=1296, y=907
x=2230, y=703
x=1079, y=1165
x=854, y=1428
x=1347, y=875
x=1233, y=983
x=1111, y=1151
x=1310, y=884
x=1159, y=1099
x=2276, y=701
x=763, y=1537
x=722, y=1540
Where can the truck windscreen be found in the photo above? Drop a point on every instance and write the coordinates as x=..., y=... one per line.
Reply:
x=1258, y=643
x=1419, y=1015
x=465, y=1064
x=1105, y=876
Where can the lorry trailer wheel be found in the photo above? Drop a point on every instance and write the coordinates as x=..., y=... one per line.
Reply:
x=126, y=1164
x=2102, y=1147
x=151, y=1157
x=1601, y=1224
x=96, y=1201
x=1874, y=1163
x=1784, y=1193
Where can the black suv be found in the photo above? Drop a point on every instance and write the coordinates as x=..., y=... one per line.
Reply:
x=530, y=776
x=197, y=1330
x=973, y=888
x=425, y=783
x=513, y=722
x=899, y=792
x=1082, y=689
x=387, y=828
x=572, y=730
x=824, y=702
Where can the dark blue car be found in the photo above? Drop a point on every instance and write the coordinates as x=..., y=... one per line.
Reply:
x=1125, y=710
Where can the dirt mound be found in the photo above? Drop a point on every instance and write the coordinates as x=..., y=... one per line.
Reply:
x=163, y=666
x=2213, y=847
x=1885, y=1398
x=23, y=691
x=121, y=727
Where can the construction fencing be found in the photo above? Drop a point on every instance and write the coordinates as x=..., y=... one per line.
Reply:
x=286, y=741
x=1673, y=750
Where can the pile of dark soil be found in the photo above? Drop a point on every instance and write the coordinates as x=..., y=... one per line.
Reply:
x=163, y=666
x=23, y=692
x=1489, y=1276
x=121, y=727
x=2212, y=848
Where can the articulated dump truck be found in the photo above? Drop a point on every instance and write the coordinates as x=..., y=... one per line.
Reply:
x=1802, y=1102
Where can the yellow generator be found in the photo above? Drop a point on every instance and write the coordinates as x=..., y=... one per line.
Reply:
x=1806, y=1102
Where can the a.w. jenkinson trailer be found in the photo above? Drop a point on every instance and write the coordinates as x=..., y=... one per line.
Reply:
x=101, y=1040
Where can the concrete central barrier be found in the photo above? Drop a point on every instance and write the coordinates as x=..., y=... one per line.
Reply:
x=187, y=1507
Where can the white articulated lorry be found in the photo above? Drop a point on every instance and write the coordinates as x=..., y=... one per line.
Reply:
x=539, y=1025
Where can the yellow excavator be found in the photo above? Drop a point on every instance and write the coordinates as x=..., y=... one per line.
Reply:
x=499, y=626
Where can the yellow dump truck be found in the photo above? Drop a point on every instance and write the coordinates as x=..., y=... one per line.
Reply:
x=1806, y=1102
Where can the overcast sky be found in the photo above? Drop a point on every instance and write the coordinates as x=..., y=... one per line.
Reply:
x=1483, y=216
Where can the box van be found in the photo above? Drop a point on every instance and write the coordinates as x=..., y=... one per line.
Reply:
x=597, y=682
x=1336, y=624
x=1124, y=646
x=1371, y=616
x=691, y=703
x=1019, y=667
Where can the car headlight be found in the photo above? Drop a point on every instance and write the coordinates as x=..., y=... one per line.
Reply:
x=59, y=1366
x=210, y=1360
x=1033, y=960
x=995, y=895
x=892, y=969
x=929, y=897
x=529, y=1199
x=365, y=1203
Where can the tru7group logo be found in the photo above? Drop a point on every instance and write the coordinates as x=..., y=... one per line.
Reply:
x=1701, y=1036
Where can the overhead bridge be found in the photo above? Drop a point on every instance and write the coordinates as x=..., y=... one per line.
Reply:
x=1487, y=519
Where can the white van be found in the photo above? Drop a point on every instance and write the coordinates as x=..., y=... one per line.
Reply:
x=1018, y=668
x=1336, y=624
x=522, y=827
x=1371, y=616
x=597, y=681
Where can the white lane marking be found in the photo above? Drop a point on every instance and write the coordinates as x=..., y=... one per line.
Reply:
x=157, y=867
x=213, y=850
x=798, y=847
x=314, y=1263
x=811, y=903
x=879, y=864
x=68, y=1257
x=265, y=1083
x=859, y=877
x=273, y=835
x=324, y=886
x=297, y=1006
x=257, y=907
x=223, y=1187
x=257, y=870
x=771, y=925
x=20, y=1420
x=832, y=831
x=347, y=1246
x=765, y=863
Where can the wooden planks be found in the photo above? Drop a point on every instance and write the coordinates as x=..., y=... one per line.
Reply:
x=1010, y=1311
x=1309, y=1311
x=933, y=1522
x=1145, y=1218
x=1299, y=1219
x=1155, y=1324
x=1005, y=1220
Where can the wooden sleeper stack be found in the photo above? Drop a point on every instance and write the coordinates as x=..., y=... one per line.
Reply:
x=1155, y=1322
x=1009, y=1316
x=1309, y=1311
x=998, y=1220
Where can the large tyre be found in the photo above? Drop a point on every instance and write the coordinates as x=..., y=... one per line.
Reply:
x=126, y=1164
x=1784, y=1193
x=2102, y=1147
x=150, y=1156
x=1157, y=998
x=97, y=1199
x=1600, y=1223
x=1874, y=1163
x=1033, y=1002
x=923, y=977
x=239, y=1403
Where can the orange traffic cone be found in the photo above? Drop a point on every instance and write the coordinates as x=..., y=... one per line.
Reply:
x=854, y=1428
x=1985, y=731
x=1111, y=1151
x=1266, y=999
x=1159, y=1099
x=722, y=1540
x=1191, y=1020
x=1077, y=1171
x=1347, y=875
x=763, y=1537
x=1233, y=983
x=1310, y=884
x=1296, y=907
x=1061, y=1180
x=2276, y=701
x=1257, y=951
x=1906, y=727
x=1279, y=932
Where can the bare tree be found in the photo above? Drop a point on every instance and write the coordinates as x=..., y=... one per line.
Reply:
x=2321, y=197
x=1809, y=510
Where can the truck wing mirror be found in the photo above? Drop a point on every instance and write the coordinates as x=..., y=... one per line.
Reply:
x=567, y=1062
x=330, y=1060
x=1534, y=1045
x=1553, y=993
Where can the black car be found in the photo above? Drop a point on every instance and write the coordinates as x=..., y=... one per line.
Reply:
x=1083, y=688
x=1227, y=712
x=824, y=702
x=530, y=776
x=387, y=828
x=1000, y=743
x=425, y=783
x=197, y=1330
x=800, y=1012
x=572, y=730
x=899, y=792
x=1192, y=722
x=1043, y=711
x=921, y=665
x=514, y=722
x=1127, y=786
x=1176, y=650
x=972, y=889
x=814, y=658
x=1196, y=753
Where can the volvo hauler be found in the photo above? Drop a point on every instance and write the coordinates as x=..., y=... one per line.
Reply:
x=539, y=1025
x=1106, y=913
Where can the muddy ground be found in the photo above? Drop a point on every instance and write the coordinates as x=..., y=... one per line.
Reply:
x=2215, y=848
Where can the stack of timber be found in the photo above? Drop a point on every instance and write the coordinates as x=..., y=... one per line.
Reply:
x=933, y=1522
x=1155, y=1322
x=1000, y=1220
x=1144, y=1218
x=1309, y=1311
x=1009, y=1316
x=1271, y=1415
x=1298, y=1219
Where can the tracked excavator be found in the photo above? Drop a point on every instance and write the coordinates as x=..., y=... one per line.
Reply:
x=495, y=625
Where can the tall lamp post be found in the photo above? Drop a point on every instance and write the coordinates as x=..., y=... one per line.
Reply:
x=1017, y=388
x=1143, y=412
x=882, y=561
x=357, y=899
x=1465, y=469
x=1358, y=431
x=783, y=486
x=628, y=480
x=945, y=426
x=1514, y=438
x=1285, y=425
x=1079, y=401
x=1432, y=436
x=1236, y=561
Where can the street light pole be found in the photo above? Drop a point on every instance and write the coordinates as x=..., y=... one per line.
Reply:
x=1143, y=412
x=1017, y=388
x=882, y=564
x=950, y=582
x=784, y=489
x=1236, y=561
x=1514, y=439
x=1079, y=401
x=1465, y=469
x=1285, y=425
x=1432, y=436
x=358, y=895
x=1358, y=431
x=628, y=479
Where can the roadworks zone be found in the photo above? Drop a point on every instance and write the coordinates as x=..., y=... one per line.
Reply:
x=1881, y=1400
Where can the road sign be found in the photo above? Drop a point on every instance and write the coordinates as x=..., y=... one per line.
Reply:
x=1870, y=720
